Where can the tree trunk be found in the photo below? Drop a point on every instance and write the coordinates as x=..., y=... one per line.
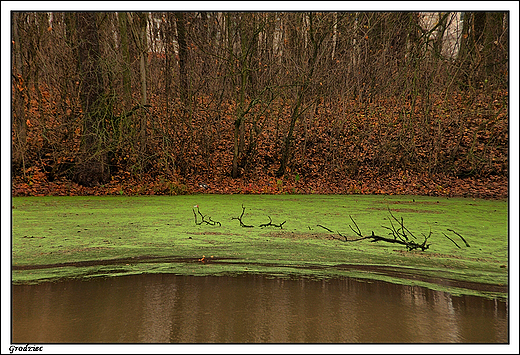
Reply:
x=493, y=50
x=238, y=142
x=288, y=139
x=142, y=65
x=18, y=99
x=243, y=57
x=334, y=34
x=472, y=34
x=90, y=167
x=127, y=84
x=183, y=54
x=302, y=90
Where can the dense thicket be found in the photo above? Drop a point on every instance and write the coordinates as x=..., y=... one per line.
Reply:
x=258, y=101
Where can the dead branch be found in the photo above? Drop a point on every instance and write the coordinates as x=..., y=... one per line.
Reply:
x=333, y=237
x=203, y=218
x=464, y=240
x=240, y=219
x=451, y=240
x=403, y=228
x=272, y=224
x=358, y=232
x=399, y=235
x=319, y=225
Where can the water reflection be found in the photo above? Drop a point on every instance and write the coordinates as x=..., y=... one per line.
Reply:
x=183, y=309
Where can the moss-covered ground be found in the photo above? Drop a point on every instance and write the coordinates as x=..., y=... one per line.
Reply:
x=79, y=237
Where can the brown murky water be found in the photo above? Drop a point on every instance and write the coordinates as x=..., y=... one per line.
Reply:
x=249, y=309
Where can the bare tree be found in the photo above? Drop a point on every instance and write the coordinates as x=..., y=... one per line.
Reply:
x=334, y=94
x=91, y=167
x=314, y=36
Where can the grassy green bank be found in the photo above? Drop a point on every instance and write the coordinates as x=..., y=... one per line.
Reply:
x=81, y=237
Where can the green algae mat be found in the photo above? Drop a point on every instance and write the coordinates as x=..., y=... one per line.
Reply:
x=275, y=235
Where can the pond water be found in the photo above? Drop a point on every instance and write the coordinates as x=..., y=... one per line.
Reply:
x=163, y=308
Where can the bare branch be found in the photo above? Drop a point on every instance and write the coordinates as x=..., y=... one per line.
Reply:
x=333, y=237
x=240, y=219
x=272, y=224
x=451, y=240
x=319, y=225
x=399, y=235
x=464, y=240
x=401, y=223
x=357, y=227
x=203, y=218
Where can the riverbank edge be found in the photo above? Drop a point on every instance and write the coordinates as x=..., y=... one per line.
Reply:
x=416, y=277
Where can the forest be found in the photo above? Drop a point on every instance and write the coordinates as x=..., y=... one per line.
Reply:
x=167, y=103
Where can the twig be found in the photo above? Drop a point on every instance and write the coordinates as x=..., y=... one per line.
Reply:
x=212, y=222
x=451, y=240
x=195, y=215
x=464, y=240
x=399, y=235
x=333, y=237
x=357, y=227
x=267, y=224
x=203, y=218
x=272, y=224
x=402, y=226
x=240, y=219
x=319, y=225
x=395, y=233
